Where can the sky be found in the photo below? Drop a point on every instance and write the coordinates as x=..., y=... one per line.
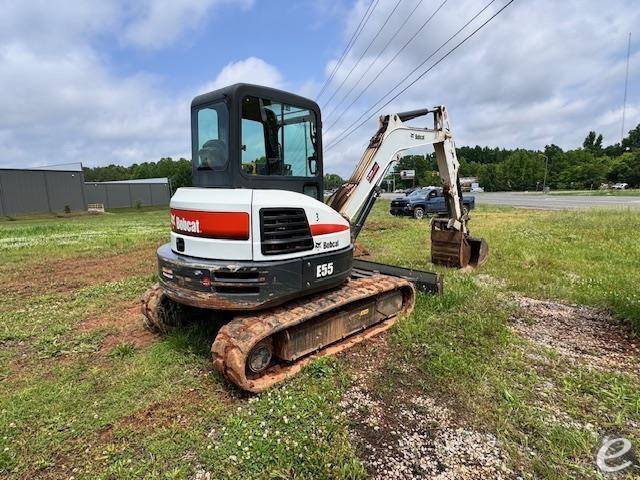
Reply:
x=111, y=81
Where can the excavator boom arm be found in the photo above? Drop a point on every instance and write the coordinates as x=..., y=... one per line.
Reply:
x=355, y=198
x=451, y=244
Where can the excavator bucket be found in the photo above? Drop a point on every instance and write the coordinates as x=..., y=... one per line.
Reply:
x=453, y=248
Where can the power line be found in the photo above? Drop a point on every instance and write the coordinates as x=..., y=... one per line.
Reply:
x=375, y=59
x=346, y=133
x=431, y=55
x=354, y=37
x=387, y=65
x=355, y=65
x=420, y=76
x=626, y=85
x=350, y=43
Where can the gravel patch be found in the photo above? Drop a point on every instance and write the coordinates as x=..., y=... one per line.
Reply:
x=418, y=438
x=488, y=280
x=413, y=436
x=582, y=335
x=202, y=474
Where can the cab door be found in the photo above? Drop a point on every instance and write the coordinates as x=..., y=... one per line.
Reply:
x=279, y=146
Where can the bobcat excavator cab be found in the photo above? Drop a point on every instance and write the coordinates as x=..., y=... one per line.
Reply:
x=255, y=237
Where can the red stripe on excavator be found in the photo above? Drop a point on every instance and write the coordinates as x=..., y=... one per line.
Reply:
x=324, y=228
x=196, y=223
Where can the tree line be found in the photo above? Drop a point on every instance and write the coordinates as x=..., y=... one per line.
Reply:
x=497, y=169
x=500, y=169
x=177, y=171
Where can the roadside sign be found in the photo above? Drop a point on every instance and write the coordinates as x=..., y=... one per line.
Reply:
x=407, y=174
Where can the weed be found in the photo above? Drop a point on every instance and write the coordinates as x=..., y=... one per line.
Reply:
x=123, y=350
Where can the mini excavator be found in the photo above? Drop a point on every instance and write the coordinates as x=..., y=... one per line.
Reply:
x=255, y=237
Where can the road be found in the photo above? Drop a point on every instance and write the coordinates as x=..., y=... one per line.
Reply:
x=550, y=202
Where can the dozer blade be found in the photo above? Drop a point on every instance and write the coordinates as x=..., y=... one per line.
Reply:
x=453, y=248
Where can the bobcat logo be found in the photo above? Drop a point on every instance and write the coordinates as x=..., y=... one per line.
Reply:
x=325, y=245
x=185, y=225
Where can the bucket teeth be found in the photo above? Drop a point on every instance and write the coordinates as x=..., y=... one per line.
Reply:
x=479, y=251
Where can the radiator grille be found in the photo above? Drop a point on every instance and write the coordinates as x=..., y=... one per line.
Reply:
x=284, y=230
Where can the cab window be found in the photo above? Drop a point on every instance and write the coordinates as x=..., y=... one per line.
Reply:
x=212, y=137
x=277, y=139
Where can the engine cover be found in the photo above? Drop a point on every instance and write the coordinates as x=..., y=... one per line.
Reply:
x=258, y=225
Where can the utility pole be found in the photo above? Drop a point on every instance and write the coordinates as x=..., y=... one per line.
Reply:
x=626, y=85
x=546, y=170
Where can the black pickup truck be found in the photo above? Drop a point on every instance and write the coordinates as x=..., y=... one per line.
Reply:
x=426, y=201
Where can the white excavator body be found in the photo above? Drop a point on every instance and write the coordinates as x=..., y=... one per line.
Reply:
x=254, y=236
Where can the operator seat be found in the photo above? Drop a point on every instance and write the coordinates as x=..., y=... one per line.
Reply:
x=213, y=154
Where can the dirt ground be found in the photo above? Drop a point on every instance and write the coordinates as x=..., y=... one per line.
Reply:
x=125, y=328
x=580, y=334
x=410, y=435
x=69, y=274
x=405, y=435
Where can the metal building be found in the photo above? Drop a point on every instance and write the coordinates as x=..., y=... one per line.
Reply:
x=129, y=193
x=60, y=188
x=41, y=190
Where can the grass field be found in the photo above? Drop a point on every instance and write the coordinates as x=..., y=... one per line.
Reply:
x=86, y=392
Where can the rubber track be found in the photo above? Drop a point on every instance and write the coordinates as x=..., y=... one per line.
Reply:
x=150, y=307
x=236, y=339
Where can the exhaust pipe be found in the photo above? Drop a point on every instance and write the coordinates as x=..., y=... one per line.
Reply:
x=453, y=248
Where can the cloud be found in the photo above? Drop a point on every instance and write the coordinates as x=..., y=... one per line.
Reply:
x=158, y=23
x=145, y=24
x=249, y=70
x=61, y=101
x=71, y=109
x=46, y=27
x=85, y=114
x=542, y=72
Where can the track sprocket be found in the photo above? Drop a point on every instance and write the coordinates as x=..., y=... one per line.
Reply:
x=160, y=313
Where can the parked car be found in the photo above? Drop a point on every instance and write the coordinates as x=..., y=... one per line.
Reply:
x=477, y=189
x=620, y=186
x=425, y=202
